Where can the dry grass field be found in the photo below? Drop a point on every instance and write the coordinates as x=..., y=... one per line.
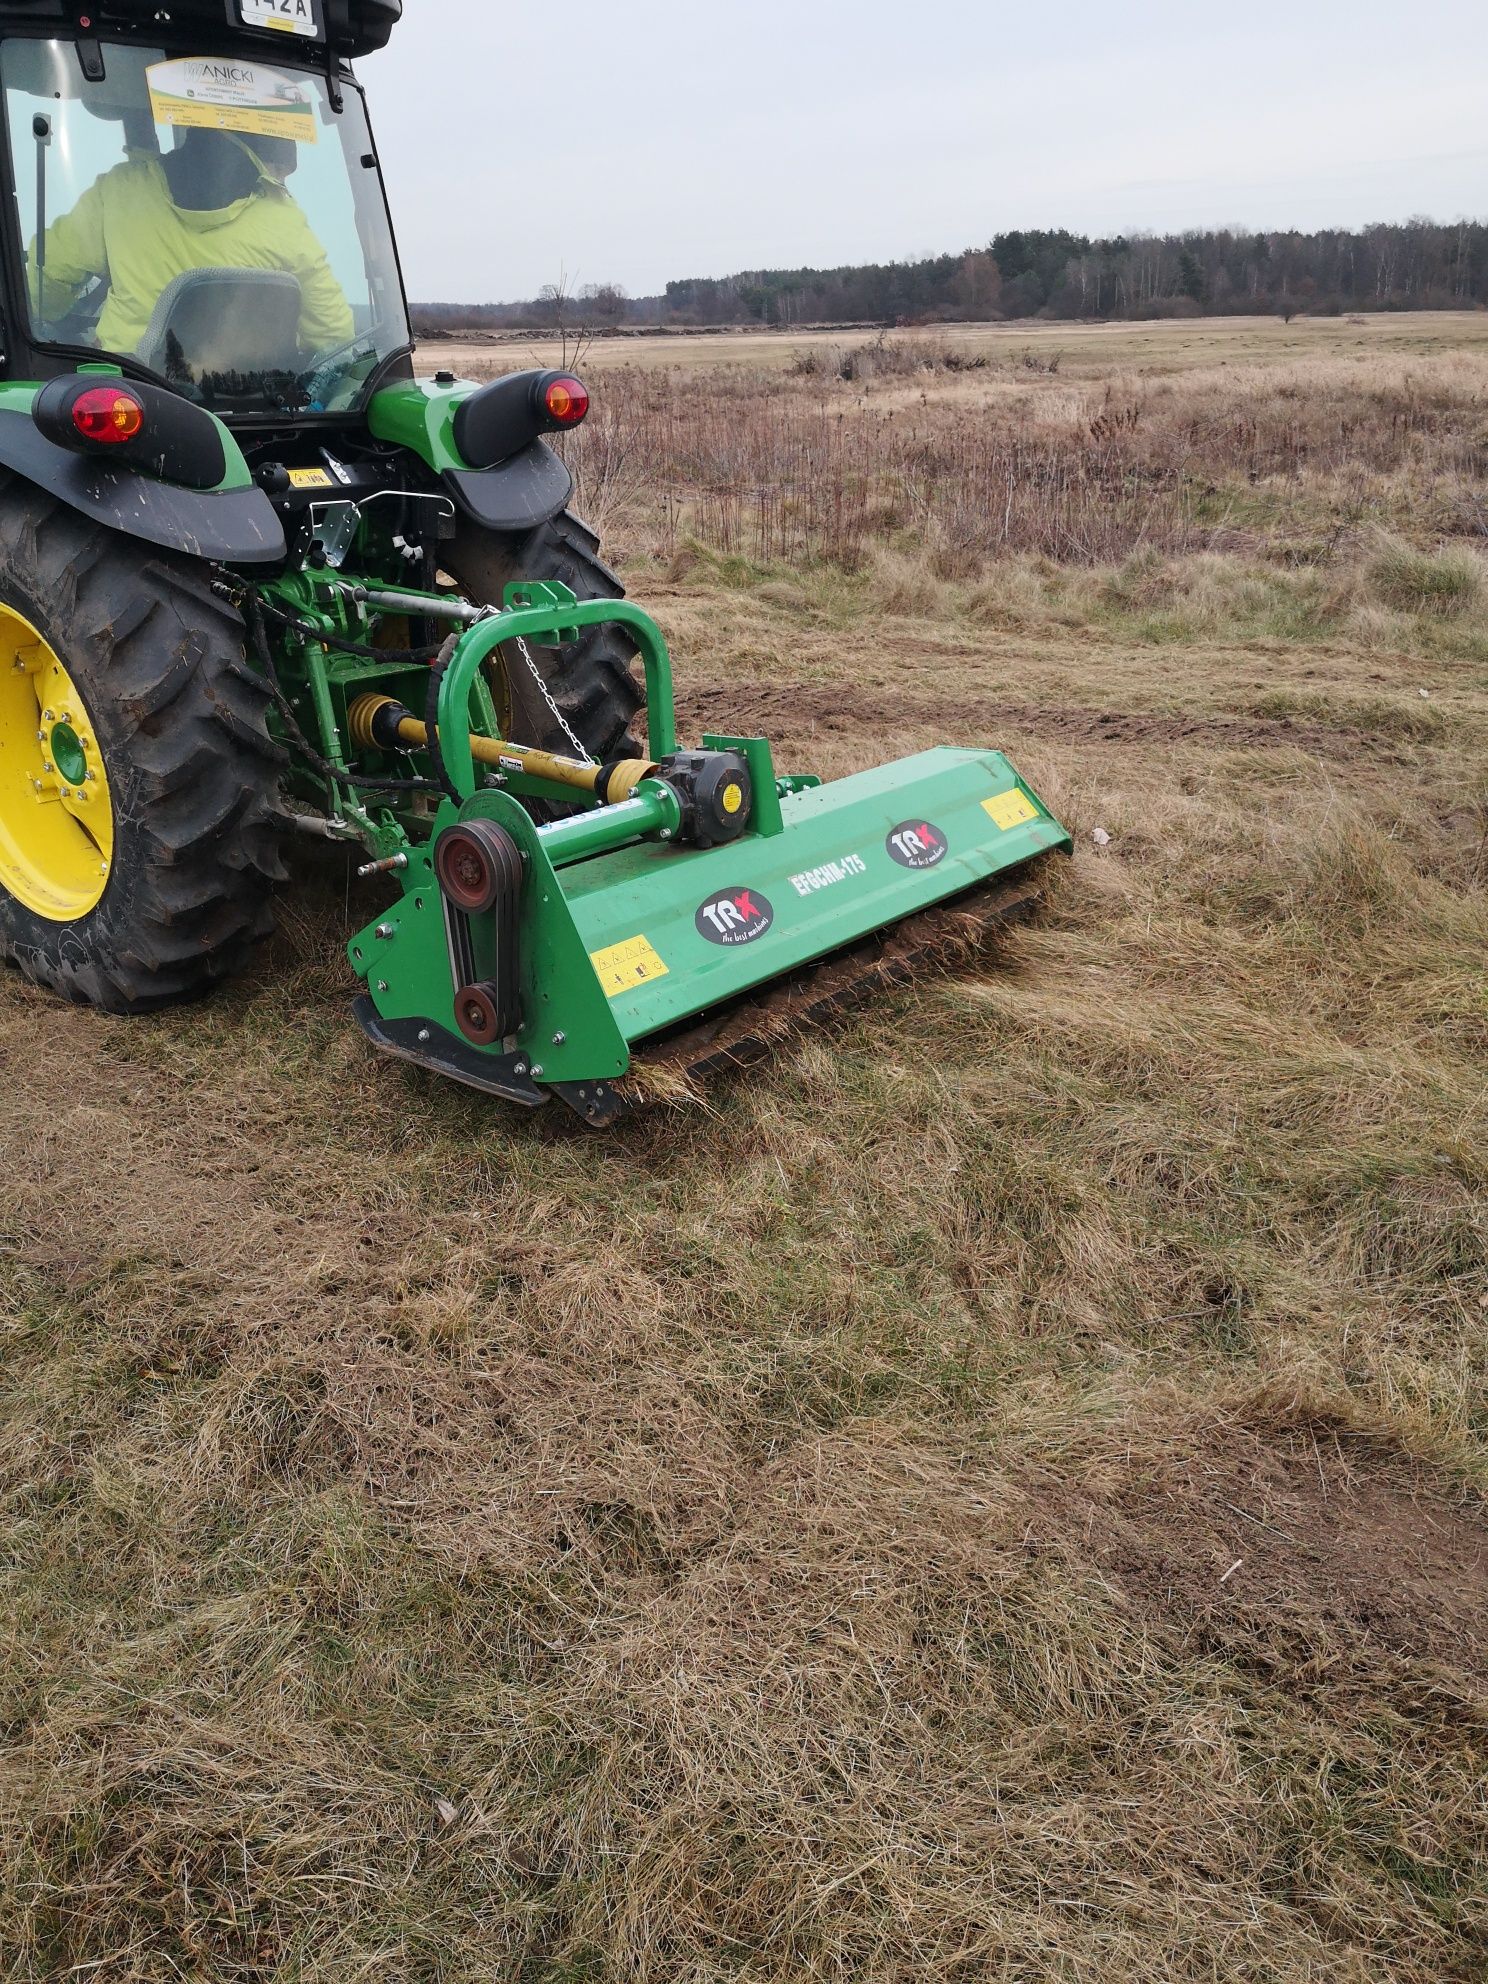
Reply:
x=996, y=1496
x=1085, y=349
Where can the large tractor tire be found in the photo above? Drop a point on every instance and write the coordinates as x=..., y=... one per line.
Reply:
x=139, y=813
x=592, y=680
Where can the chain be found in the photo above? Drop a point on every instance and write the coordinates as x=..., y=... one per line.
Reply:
x=535, y=672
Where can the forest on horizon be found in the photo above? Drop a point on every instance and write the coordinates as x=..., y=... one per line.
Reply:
x=1407, y=265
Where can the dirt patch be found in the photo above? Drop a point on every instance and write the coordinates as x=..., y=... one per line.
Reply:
x=1306, y=1548
x=791, y=708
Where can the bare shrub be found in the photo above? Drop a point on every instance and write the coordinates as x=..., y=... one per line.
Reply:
x=885, y=358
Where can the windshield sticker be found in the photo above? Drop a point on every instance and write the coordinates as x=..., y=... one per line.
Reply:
x=215, y=93
x=290, y=16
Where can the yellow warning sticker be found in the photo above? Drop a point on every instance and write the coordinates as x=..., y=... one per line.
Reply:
x=621, y=967
x=310, y=478
x=1010, y=809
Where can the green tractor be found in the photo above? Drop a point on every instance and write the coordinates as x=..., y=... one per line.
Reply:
x=257, y=578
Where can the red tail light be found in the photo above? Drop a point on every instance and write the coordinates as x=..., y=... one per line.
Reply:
x=567, y=401
x=108, y=414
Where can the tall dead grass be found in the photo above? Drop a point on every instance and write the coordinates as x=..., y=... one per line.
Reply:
x=775, y=467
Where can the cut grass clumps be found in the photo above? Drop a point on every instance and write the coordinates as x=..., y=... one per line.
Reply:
x=1437, y=582
x=1410, y=720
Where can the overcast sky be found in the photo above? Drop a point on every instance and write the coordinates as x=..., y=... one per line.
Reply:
x=649, y=139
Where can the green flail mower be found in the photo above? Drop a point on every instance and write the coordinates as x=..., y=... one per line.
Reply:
x=257, y=578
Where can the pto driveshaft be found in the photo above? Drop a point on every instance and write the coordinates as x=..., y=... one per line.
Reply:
x=702, y=797
x=380, y=723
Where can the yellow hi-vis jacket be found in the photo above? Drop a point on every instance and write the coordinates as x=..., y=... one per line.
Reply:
x=127, y=228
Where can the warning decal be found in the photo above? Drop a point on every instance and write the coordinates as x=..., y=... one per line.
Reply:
x=1010, y=809
x=621, y=967
x=217, y=93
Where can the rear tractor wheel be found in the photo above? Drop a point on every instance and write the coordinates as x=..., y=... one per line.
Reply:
x=138, y=782
x=583, y=697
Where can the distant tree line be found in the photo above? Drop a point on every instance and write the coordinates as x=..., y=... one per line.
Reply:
x=1038, y=272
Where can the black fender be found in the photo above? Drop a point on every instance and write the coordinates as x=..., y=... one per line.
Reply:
x=233, y=526
x=518, y=494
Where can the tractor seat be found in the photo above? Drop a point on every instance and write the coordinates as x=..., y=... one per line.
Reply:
x=223, y=321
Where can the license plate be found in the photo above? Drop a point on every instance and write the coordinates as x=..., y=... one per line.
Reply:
x=289, y=16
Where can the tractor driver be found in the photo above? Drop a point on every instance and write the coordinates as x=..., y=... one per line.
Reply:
x=218, y=200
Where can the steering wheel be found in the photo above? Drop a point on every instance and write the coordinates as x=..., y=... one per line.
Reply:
x=327, y=368
x=81, y=320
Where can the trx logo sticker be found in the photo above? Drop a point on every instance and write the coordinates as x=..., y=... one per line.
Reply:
x=1010, y=809
x=735, y=916
x=622, y=967
x=917, y=844
x=829, y=874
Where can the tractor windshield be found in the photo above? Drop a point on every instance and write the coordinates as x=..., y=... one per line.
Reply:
x=216, y=220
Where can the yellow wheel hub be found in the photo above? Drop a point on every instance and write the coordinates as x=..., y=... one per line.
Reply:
x=56, y=816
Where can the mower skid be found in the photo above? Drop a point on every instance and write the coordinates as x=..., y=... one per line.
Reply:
x=425, y=1045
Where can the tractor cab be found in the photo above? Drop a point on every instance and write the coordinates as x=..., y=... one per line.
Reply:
x=195, y=198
